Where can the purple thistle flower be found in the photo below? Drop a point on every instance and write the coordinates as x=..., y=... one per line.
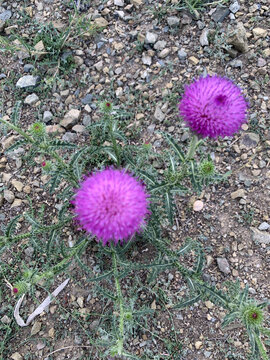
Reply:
x=112, y=205
x=213, y=106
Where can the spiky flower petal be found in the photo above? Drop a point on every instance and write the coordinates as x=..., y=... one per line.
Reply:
x=213, y=106
x=112, y=205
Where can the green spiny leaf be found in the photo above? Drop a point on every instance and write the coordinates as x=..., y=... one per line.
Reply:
x=59, y=144
x=215, y=295
x=261, y=347
x=17, y=144
x=110, y=152
x=101, y=277
x=187, y=302
x=175, y=147
x=10, y=229
x=185, y=248
x=169, y=206
x=229, y=318
x=243, y=296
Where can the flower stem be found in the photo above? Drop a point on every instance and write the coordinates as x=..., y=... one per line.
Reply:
x=115, y=146
x=120, y=340
x=192, y=147
x=19, y=131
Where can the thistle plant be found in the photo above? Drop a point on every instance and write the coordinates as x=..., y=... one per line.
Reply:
x=124, y=201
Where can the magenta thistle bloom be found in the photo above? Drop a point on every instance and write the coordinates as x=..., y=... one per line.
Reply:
x=112, y=205
x=213, y=106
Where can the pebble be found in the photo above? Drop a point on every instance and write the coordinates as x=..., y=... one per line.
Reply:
x=160, y=45
x=17, y=184
x=198, y=344
x=173, y=21
x=259, y=32
x=71, y=118
x=236, y=63
x=159, y=115
x=238, y=38
x=28, y=68
x=9, y=196
x=5, y=319
x=220, y=14
x=47, y=116
x=261, y=62
x=100, y=21
x=69, y=137
x=87, y=120
x=36, y=328
x=182, y=55
x=151, y=38
x=240, y=193
x=29, y=251
x=27, y=81
x=87, y=99
x=77, y=339
x=5, y=15
x=250, y=140
x=31, y=99
x=223, y=265
x=204, y=37
x=193, y=60
x=16, y=356
x=164, y=53
x=234, y=7
x=264, y=226
x=260, y=236
x=147, y=60
x=119, y=3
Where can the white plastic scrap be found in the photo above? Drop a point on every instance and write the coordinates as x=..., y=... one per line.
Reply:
x=40, y=308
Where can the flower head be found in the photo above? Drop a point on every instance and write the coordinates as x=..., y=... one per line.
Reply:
x=207, y=168
x=112, y=205
x=213, y=106
x=38, y=129
x=106, y=107
x=252, y=315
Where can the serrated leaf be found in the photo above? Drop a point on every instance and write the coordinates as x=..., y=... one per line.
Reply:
x=216, y=296
x=159, y=187
x=55, y=181
x=101, y=277
x=229, y=318
x=120, y=136
x=17, y=144
x=169, y=206
x=111, y=153
x=191, y=284
x=16, y=113
x=265, y=331
x=199, y=263
x=32, y=221
x=148, y=177
x=61, y=144
x=261, y=347
x=172, y=164
x=175, y=147
x=243, y=296
x=185, y=248
x=51, y=240
x=187, y=302
x=76, y=156
x=10, y=229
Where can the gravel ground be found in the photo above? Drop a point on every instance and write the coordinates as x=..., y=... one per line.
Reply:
x=141, y=64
